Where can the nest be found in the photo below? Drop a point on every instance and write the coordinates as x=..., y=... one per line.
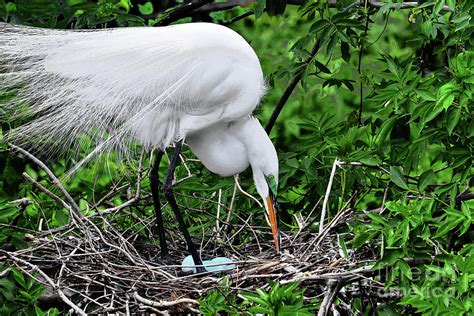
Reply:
x=94, y=268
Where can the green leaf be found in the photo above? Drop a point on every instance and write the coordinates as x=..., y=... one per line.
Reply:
x=318, y=26
x=461, y=26
x=431, y=113
x=146, y=8
x=426, y=95
x=447, y=101
x=259, y=8
x=426, y=28
x=392, y=255
x=385, y=129
x=26, y=295
x=405, y=227
x=438, y=6
x=345, y=52
x=275, y=7
x=322, y=67
x=39, y=312
x=7, y=284
x=370, y=161
x=426, y=179
x=18, y=276
x=405, y=268
x=447, y=226
x=8, y=212
x=377, y=218
x=446, y=95
x=453, y=212
x=397, y=177
x=461, y=17
x=453, y=120
x=464, y=283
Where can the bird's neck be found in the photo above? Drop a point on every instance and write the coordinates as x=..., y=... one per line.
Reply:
x=261, y=153
x=227, y=149
x=260, y=149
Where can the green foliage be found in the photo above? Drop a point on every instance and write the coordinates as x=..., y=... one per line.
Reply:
x=218, y=301
x=75, y=13
x=445, y=289
x=19, y=295
x=419, y=231
x=390, y=92
x=278, y=300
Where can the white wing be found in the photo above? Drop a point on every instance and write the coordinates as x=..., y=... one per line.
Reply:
x=125, y=83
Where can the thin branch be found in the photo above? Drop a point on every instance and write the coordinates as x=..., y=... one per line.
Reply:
x=236, y=178
x=182, y=12
x=55, y=180
x=334, y=286
x=326, y=196
x=218, y=215
x=238, y=18
x=164, y=303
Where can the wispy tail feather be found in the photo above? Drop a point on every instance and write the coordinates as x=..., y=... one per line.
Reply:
x=92, y=84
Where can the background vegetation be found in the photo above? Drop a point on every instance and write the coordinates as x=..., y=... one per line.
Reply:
x=384, y=88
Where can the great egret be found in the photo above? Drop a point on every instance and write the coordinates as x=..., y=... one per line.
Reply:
x=196, y=82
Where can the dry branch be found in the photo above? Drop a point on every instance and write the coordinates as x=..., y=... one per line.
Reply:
x=55, y=180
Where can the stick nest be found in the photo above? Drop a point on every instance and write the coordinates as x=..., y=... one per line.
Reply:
x=102, y=270
x=93, y=267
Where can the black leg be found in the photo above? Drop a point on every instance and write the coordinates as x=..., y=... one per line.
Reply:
x=155, y=192
x=167, y=188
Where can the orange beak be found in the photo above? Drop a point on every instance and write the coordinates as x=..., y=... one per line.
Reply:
x=273, y=215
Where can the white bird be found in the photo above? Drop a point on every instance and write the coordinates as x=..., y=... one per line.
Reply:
x=196, y=82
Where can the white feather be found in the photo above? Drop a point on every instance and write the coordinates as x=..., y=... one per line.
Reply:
x=155, y=85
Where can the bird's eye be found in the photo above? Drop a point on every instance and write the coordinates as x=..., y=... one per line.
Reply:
x=271, y=177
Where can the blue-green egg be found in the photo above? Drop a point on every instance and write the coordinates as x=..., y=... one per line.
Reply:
x=218, y=264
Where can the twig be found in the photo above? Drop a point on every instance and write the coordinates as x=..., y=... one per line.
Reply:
x=231, y=205
x=5, y=272
x=139, y=174
x=46, y=191
x=55, y=180
x=309, y=222
x=236, y=178
x=182, y=11
x=218, y=213
x=164, y=303
x=326, y=196
x=333, y=288
x=238, y=18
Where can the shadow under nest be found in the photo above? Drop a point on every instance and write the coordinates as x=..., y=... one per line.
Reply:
x=90, y=267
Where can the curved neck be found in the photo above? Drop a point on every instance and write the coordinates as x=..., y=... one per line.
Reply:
x=261, y=153
x=260, y=149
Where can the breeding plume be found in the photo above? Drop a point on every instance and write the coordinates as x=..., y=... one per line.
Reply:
x=195, y=83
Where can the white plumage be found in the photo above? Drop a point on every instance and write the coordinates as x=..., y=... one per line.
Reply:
x=199, y=82
x=155, y=84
